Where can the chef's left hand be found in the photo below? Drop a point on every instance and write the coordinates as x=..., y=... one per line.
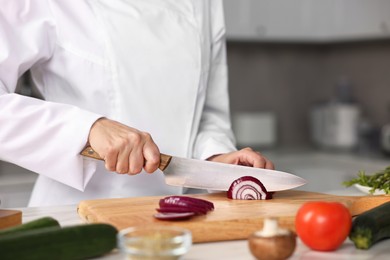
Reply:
x=246, y=157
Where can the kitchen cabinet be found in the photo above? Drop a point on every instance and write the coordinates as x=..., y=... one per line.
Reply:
x=307, y=20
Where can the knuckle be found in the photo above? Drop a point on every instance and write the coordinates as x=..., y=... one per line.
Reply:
x=247, y=149
x=110, y=167
x=155, y=160
x=150, y=168
x=110, y=151
x=135, y=138
x=146, y=136
x=124, y=142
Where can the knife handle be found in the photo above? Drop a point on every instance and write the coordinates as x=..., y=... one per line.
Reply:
x=89, y=152
x=164, y=161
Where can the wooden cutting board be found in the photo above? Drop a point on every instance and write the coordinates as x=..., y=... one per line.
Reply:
x=231, y=219
x=10, y=218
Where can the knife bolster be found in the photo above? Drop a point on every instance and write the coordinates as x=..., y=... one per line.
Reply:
x=164, y=161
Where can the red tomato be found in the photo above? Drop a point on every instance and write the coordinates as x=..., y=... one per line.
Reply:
x=323, y=226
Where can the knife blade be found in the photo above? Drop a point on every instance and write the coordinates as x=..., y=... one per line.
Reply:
x=193, y=173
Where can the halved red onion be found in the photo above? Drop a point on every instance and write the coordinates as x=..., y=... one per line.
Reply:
x=178, y=207
x=248, y=188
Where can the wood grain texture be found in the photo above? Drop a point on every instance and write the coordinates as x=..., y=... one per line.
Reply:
x=164, y=161
x=10, y=218
x=231, y=219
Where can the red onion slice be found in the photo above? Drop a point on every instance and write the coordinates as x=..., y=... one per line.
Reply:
x=248, y=188
x=183, y=204
x=205, y=203
x=180, y=207
x=173, y=210
x=174, y=216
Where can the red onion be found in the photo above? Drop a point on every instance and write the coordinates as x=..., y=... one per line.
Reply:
x=179, y=207
x=182, y=208
x=181, y=203
x=248, y=188
x=206, y=203
x=174, y=216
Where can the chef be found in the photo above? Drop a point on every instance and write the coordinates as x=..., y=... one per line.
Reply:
x=130, y=78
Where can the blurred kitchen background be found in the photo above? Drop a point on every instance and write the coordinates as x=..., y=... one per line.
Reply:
x=309, y=87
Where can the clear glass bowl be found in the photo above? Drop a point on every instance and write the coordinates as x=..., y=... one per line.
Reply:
x=154, y=242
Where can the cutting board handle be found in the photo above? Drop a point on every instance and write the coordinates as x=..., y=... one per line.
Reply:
x=366, y=203
x=89, y=152
x=10, y=218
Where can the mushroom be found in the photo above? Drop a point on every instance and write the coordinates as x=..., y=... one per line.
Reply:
x=273, y=242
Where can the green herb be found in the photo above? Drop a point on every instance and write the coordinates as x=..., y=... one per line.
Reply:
x=379, y=180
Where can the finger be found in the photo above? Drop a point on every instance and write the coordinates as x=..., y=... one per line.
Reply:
x=256, y=159
x=247, y=149
x=122, y=164
x=152, y=157
x=136, y=160
x=269, y=165
x=110, y=159
x=259, y=162
x=252, y=158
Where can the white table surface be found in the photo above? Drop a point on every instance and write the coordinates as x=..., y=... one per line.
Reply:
x=67, y=215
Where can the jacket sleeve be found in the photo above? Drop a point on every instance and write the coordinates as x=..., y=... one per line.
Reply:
x=44, y=137
x=215, y=135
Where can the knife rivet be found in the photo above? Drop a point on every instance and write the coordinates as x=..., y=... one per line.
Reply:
x=90, y=151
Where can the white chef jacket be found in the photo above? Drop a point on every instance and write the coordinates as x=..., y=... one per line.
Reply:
x=155, y=65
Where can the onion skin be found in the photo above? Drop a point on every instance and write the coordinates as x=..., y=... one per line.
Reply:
x=248, y=188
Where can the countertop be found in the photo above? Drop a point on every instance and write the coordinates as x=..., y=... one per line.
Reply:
x=324, y=171
x=67, y=215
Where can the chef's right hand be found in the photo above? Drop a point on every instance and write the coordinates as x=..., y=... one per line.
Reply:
x=124, y=149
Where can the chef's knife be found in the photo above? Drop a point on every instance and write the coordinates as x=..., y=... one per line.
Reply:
x=201, y=174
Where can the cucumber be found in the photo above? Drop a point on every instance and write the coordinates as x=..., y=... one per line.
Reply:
x=371, y=227
x=34, y=224
x=72, y=242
